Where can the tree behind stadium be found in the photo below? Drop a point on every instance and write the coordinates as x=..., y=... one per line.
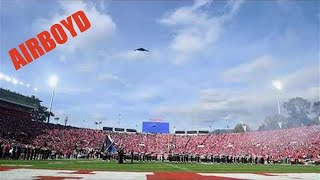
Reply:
x=239, y=128
x=41, y=114
x=298, y=110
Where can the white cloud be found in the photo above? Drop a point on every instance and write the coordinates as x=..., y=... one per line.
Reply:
x=250, y=105
x=234, y=6
x=62, y=58
x=106, y=77
x=197, y=29
x=143, y=93
x=213, y=95
x=112, y=77
x=303, y=82
x=98, y=116
x=73, y=90
x=102, y=25
x=302, y=78
x=86, y=67
x=250, y=70
x=132, y=55
x=200, y=3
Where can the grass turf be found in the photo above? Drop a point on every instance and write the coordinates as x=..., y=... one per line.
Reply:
x=158, y=166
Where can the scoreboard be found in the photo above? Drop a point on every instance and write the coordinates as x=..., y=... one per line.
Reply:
x=155, y=127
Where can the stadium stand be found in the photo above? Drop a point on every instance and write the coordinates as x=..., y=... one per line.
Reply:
x=296, y=143
x=16, y=105
x=21, y=137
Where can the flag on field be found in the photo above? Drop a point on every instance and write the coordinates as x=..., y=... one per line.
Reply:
x=107, y=143
x=112, y=149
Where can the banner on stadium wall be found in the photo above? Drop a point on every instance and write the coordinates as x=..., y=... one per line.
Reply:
x=155, y=127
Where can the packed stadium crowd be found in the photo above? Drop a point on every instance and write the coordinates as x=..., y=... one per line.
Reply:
x=27, y=139
x=23, y=138
x=295, y=143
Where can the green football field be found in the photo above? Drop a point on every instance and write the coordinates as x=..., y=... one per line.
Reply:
x=157, y=166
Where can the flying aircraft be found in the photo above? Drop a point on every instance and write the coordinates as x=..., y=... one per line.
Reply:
x=142, y=49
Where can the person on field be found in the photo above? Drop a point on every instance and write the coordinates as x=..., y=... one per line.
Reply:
x=131, y=156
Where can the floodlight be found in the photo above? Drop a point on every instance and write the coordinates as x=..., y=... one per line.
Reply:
x=53, y=81
x=277, y=84
x=15, y=81
x=7, y=78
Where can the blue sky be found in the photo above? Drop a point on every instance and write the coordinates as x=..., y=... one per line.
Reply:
x=210, y=62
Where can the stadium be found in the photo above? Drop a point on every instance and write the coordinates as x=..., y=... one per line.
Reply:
x=159, y=90
x=27, y=143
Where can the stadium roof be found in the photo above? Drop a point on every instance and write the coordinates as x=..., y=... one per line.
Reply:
x=19, y=99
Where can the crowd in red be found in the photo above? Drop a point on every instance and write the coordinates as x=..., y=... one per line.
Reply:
x=298, y=143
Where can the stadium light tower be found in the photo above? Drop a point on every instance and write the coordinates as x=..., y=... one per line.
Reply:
x=66, y=121
x=278, y=86
x=53, y=81
x=100, y=122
